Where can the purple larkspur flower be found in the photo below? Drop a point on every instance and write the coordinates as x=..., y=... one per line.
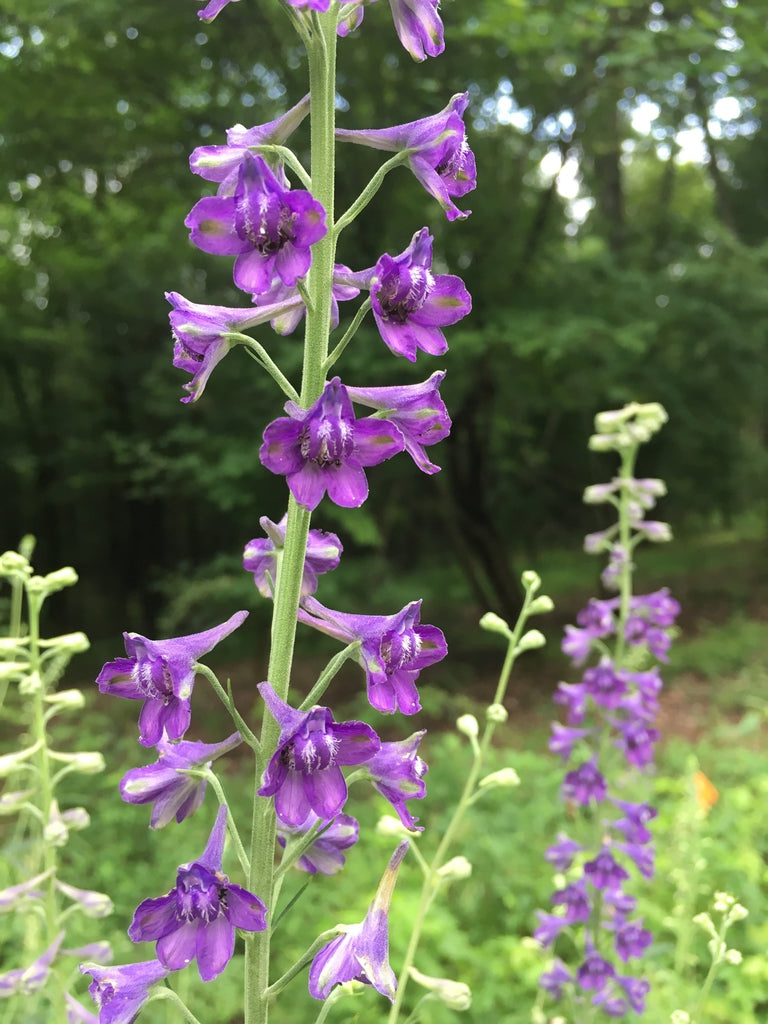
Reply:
x=311, y=5
x=261, y=556
x=636, y=817
x=211, y=9
x=268, y=228
x=120, y=991
x=91, y=903
x=632, y=940
x=198, y=917
x=550, y=926
x=326, y=854
x=554, y=980
x=417, y=24
x=394, y=649
x=642, y=854
x=202, y=334
x=573, y=696
x=325, y=448
x=611, y=1002
x=637, y=989
x=576, y=901
x=361, y=953
x=636, y=742
x=410, y=304
x=397, y=772
x=620, y=902
x=164, y=784
x=25, y=981
x=604, y=684
x=161, y=673
x=439, y=154
x=563, y=739
x=604, y=872
x=222, y=163
x=77, y=1013
x=417, y=410
x=12, y=897
x=595, y=972
x=304, y=773
x=585, y=784
x=285, y=323
x=560, y=855
x=576, y=644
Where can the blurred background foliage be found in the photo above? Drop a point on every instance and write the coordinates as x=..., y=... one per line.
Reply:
x=617, y=250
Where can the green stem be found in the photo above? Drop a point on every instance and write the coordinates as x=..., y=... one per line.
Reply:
x=321, y=54
x=328, y=674
x=369, y=191
x=257, y=351
x=168, y=993
x=290, y=158
x=302, y=962
x=349, y=334
x=229, y=704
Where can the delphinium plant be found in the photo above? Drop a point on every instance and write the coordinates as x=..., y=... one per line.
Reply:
x=607, y=744
x=39, y=899
x=278, y=220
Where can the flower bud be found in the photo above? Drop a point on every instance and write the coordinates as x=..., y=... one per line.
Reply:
x=74, y=642
x=31, y=684
x=531, y=580
x=13, y=562
x=89, y=762
x=531, y=640
x=60, y=578
x=10, y=803
x=596, y=494
x=12, y=669
x=455, y=870
x=542, y=604
x=76, y=818
x=388, y=825
x=723, y=901
x=737, y=913
x=454, y=994
x=467, y=724
x=9, y=762
x=733, y=956
x=505, y=778
x=497, y=714
x=66, y=699
x=680, y=1017
x=493, y=623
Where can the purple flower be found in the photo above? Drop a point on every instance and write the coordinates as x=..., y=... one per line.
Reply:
x=632, y=940
x=604, y=872
x=637, y=989
x=439, y=155
x=304, y=773
x=573, y=697
x=605, y=685
x=636, y=742
x=411, y=305
x=222, y=163
x=324, y=448
x=24, y=981
x=560, y=855
x=164, y=784
x=563, y=739
x=120, y=992
x=397, y=772
x=199, y=915
x=77, y=1013
x=584, y=784
x=202, y=334
x=552, y=981
x=636, y=817
x=285, y=323
x=160, y=672
x=418, y=27
x=362, y=952
x=213, y=8
x=325, y=855
x=576, y=644
x=594, y=972
x=311, y=5
x=550, y=926
x=575, y=900
x=268, y=228
x=641, y=854
x=394, y=650
x=260, y=556
x=417, y=410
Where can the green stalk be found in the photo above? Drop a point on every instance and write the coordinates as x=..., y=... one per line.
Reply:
x=321, y=53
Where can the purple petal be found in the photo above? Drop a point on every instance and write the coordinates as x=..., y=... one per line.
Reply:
x=154, y=918
x=346, y=484
x=245, y=910
x=326, y=792
x=177, y=949
x=291, y=803
x=214, y=849
x=214, y=948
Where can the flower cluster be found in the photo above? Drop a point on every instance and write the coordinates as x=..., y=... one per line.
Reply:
x=608, y=735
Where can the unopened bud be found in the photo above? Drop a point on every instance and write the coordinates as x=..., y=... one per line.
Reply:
x=541, y=605
x=737, y=913
x=504, y=778
x=493, y=623
x=455, y=870
x=531, y=640
x=60, y=578
x=497, y=714
x=388, y=825
x=66, y=699
x=31, y=684
x=467, y=724
x=596, y=494
x=92, y=904
x=680, y=1017
x=733, y=956
x=75, y=642
x=454, y=994
x=89, y=762
x=76, y=818
x=531, y=580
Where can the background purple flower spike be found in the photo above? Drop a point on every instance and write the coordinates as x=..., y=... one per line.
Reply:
x=326, y=854
x=362, y=952
x=160, y=673
x=397, y=772
x=395, y=648
x=324, y=448
x=441, y=157
x=163, y=784
x=304, y=773
x=198, y=917
x=120, y=992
